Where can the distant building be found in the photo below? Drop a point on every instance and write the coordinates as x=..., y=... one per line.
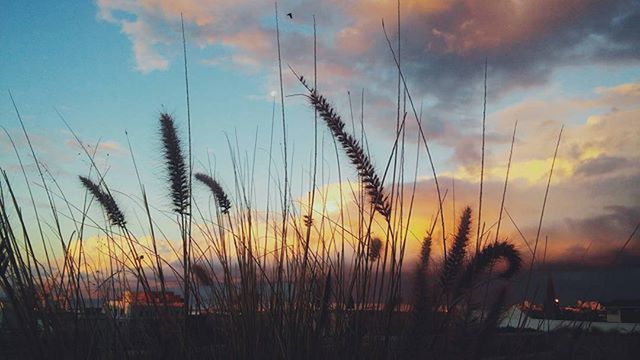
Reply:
x=623, y=311
x=515, y=317
x=136, y=305
x=589, y=305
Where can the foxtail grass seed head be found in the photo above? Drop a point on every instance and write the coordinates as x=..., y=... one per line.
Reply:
x=202, y=274
x=488, y=256
x=375, y=248
x=455, y=258
x=355, y=152
x=218, y=192
x=175, y=163
x=500, y=250
x=425, y=251
x=116, y=216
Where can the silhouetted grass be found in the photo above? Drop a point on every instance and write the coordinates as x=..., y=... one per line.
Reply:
x=293, y=284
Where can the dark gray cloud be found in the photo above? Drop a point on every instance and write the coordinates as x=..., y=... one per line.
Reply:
x=602, y=165
x=613, y=227
x=445, y=51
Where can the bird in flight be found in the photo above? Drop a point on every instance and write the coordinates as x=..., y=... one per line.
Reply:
x=290, y=15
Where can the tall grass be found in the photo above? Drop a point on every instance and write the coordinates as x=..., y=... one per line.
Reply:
x=251, y=297
x=299, y=283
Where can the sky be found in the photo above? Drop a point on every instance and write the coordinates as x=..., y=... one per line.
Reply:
x=110, y=67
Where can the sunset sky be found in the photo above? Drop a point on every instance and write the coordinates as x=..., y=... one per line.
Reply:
x=111, y=66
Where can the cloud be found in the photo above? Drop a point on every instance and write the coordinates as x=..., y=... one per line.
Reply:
x=146, y=56
x=601, y=165
x=598, y=138
x=153, y=26
x=443, y=50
